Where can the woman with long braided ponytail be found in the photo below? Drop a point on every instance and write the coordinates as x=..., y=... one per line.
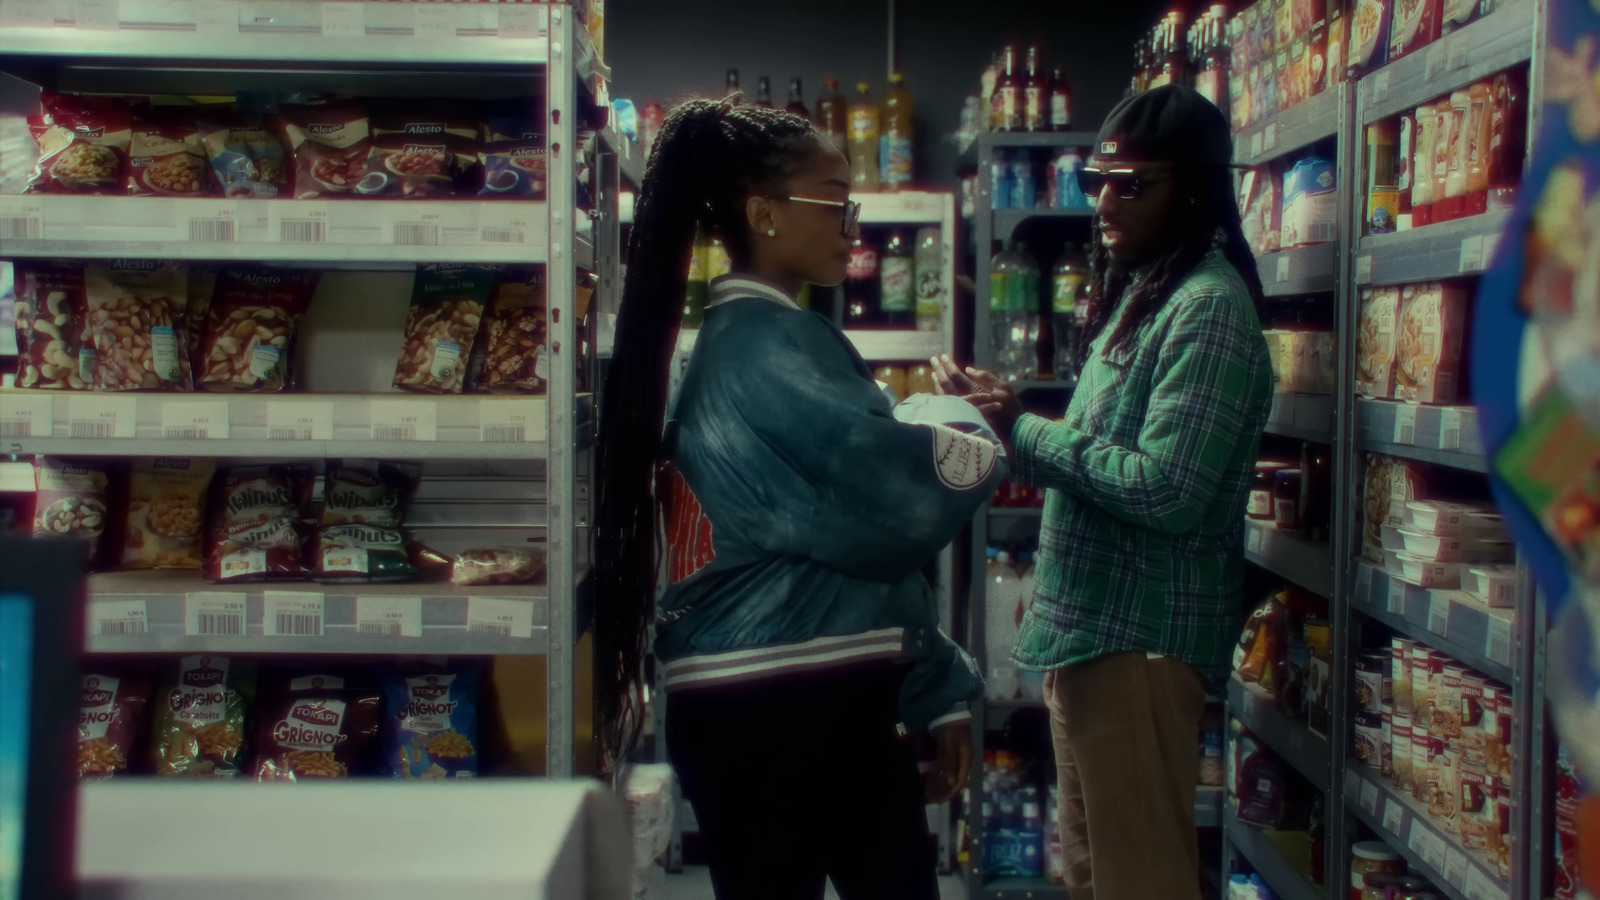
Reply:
x=785, y=508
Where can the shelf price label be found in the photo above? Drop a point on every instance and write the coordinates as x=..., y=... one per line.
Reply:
x=519, y=21
x=218, y=222
x=24, y=417
x=435, y=22
x=1364, y=584
x=1364, y=269
x=1380, y=86
x=299, y=420
x=1455, y=867
x=1284, y=267
x=1497, y=646
x=1436, y=59
x=301, y=221
x=343, y=19
x=216, y=17
x=292, y=614
x=1397, y=596
x=1253, y=538
x=214, y=614
x=1458, y=48
x=1369, y=796
x=1450, y=428
x=507, y=422
x=1439, y=614
x=22, y=218
x=195, y=421
x=503, y=223
x=1427, y=845
x=500, y=617
x=1269, y=137
x=1471, y=255
x=118, y=618
x=1481, y=887
x=1405, y=423
x=102, y=417
x=1394, y=815
x=389, y=616
x=405, y=420
x=1257, y=143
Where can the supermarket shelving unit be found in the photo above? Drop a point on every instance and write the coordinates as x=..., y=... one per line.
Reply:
x=495, y=468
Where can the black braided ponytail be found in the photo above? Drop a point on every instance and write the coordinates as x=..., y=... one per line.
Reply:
x=708, y=158
x=1196, y=225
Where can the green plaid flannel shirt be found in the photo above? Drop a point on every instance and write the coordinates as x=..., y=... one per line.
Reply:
x=1141, y=546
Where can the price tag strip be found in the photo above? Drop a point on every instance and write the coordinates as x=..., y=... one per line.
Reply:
x=1364, y=583
x=1397, y=596
x=1363, y=269
x=1497, y=646
x=1394, y=816
x=1455, y=867
x=500, y=617
x=218, y=223
x=102, y=416
x=117, y=618
x=183, y=420
x=1254, y=538
x=1471, y=255
x=405, y=420
x=24, y=416
x=1369, y=796
x=502, y=421
x=389, y=616
x=20, y=218
x=1450, y=428
x=292, y=614
x=1284, y=267
x=214, y=614
x=1405, y=423
x=299, y=420
x=1439, y=614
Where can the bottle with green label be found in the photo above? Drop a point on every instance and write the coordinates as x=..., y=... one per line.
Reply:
x=1008, y=314
x=930, y=280
x=1069, y=286
x=897, y=299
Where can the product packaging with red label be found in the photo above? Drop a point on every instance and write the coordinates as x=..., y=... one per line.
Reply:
x=314, y=725
x=137, y=310
x=71, y=500
x=257, y=528
x=111, y=712
x=83, y=145
x=330, y=146
x=250, y=328
x=513, y=159
x=51, y=311
x=166, y=157
x=421, y=155
x=199, y=726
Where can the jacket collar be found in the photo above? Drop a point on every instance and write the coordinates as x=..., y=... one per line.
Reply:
x=736, y=286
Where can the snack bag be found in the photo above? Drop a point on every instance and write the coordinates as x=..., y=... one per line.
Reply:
x=432, y=728
x=250, y=326
x=52, y=309
x=365, y=492
x=447, y=301
x=314, y=726
x=166, y=157
x=247, y=157
x=513, y=159
x=200, y=716
x=330, y=146
x=362, y=553
x=202, y=284
x=419, y=154
x=110, y=716
x=83, y=145
x=257, y=531
x=136, y=314
x=70, y=501
x=166, y=500
x=514, y=338
x=502, y=565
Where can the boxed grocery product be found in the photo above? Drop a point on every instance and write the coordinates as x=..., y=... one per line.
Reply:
x=250, y=326
x=111, y=711
x=166, y=503
x=51, y=310
x=136, y=315
x=71, y=500
x=1374, y=685
x=513, y=159
x=1454, y=519
x=1400, y=676
x=447, y=303
x=1389, y=485
x=1368, y=731
x=1310, y=207
x=1428, y=574
x=83, y=145
x=1415, y=25
x=1443, y=784
x=247, y=158
x=1496, y=586
x=1369, y=36
x=419, y=153
x=314, y=725
x=431, y=729
x=1469, y=549
x=201, y=705
x=166, y=157
x=1401, y=736
x=258, y=530
x=330, y=145
x=1477, y=808
x=1376, y=342
x=1261, y=209
x=1338, y=41
x=1428, y=349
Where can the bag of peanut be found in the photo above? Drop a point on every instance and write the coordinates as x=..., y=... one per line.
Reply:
x=136, y=311
x=250, y=327
x=50, y=317
x=447, y=301
x=166, y=503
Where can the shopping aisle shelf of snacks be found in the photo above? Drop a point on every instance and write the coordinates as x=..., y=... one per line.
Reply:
x=1475, y=631
x=306, y=342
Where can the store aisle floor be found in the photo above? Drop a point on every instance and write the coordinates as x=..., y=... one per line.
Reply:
x=694, y=883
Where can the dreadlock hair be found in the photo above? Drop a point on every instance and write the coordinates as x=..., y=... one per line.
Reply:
x=1195, y=225
x=709, y=157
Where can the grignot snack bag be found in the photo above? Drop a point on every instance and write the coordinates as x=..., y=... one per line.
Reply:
x=314, y=725
x=111, y=710
x=431, y=728
x=199, y=726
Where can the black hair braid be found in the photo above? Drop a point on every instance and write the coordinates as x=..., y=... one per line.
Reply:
x=708, y=158
x=1197, y=224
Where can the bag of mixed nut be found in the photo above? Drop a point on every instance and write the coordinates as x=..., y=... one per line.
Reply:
x=447, y=301
x=501, y=565
x=71, y=500
x=136, y=315
x=514, y=338
x=110, y=718
x=513, y=159
x=431, y=732
x=314, y=725
x=83, y=145
x=247, y=157
x=165, y=156
x=166, y=501
x=258, y=530
x=51, y=313
x=419, y=154
x=330, y=146
x=200, y=717
x=250, y=326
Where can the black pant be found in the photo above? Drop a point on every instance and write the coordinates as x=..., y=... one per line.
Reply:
x=798, y=779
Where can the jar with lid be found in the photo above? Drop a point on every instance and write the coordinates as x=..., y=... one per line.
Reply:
x=1379, y=885
x=1286, y=498
x=1372, y=858
x=1262, y=488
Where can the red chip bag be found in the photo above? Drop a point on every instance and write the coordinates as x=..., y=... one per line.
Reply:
x=165, y=156
x=83, y=145
x=330, y=145
x=257, y=531
x=110, y=715
x=250, y=324
x=314, y=726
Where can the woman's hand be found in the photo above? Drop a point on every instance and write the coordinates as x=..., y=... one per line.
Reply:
x=953, y=762
x=948, y=377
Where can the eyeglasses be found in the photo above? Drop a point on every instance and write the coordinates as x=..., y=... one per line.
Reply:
x=850, y=210
x=1126, y=184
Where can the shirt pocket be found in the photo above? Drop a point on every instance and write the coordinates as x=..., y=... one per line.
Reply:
x=1101, y=390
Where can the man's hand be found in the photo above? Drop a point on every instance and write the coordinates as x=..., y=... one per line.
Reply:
x=953, y=761
x=994, y=398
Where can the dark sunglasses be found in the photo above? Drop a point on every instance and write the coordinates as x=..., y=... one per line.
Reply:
x=849, y=209
x=1126, y=184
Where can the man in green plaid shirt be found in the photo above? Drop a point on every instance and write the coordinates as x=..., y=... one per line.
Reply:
x=1137, y=599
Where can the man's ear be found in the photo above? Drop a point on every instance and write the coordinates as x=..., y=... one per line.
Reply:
x=759, y=215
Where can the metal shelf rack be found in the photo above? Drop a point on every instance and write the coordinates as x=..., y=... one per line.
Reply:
x=493, y=466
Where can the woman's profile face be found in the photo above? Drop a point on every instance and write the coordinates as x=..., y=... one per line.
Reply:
x=811, y=241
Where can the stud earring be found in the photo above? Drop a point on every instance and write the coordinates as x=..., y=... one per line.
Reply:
x=772, y=232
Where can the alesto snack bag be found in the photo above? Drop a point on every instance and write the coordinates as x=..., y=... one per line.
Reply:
x=447, y=302
x=70, y=501
x=83, y=145
x=250, y=327
x=52, y=307
x=165, y=156
x=136, y=316
x=418, y=154
x=330, y=145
